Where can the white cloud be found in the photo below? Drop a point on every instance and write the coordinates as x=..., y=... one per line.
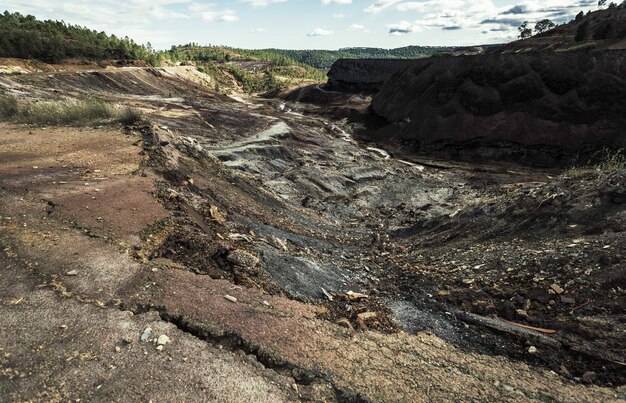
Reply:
x=326, y=2
x=320, y=32
x=358, y=27
x=259, y=30
x=262, y=3
x=380, y=5
x=222, y=15
x=402, y=27
x=162, y=13
x=208, y=13
x=229, y=17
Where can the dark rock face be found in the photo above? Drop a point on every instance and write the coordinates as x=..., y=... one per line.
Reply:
x=363, y=75
x=569, y=102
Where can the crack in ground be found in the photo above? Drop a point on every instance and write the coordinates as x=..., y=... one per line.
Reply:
x=234, y=342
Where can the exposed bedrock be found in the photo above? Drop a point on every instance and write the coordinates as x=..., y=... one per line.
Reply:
x=553, y=104
x=363, y=75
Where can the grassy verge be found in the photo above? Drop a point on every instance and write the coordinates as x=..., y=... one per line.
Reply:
x=605, y=160
x=74, y=112
x=581, y=46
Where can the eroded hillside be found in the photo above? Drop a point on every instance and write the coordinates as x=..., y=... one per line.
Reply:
x=273, y=249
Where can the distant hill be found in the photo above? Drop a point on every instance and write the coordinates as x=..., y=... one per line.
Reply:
x=324, y=59
x=320, y=59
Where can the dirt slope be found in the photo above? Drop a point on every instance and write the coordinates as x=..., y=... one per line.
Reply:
x=216, y=198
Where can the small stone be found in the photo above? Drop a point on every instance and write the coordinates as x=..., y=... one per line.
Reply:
x=567, y=300
x=216, y=214
x=557, y=289
x=532, y=349
x=230, y=298
x=72, y=273
x=266, y=303
x=356, y=296
x=367, y=315
x=117, y=349
x=163, y=340
x=159, y=347
x=147, y=334
x=522, y=313
x=242, y=258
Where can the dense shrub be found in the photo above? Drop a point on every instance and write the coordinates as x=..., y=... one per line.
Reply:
x=8, y=107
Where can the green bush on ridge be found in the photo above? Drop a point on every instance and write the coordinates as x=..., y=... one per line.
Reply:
x=605, y=160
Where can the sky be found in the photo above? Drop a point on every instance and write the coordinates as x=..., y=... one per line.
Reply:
x=305, y=24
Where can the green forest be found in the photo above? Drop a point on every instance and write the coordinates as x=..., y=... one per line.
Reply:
x=324, y=59
x=53, y=41
x=319, y=59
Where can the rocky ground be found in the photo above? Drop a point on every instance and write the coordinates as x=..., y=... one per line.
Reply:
x=239, y=250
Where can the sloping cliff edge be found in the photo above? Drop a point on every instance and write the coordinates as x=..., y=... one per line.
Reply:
x=363, y=75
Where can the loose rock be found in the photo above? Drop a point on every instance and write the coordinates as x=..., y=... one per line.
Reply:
x=557, y=289
x=147, y=334
x=242, y=258
x=163, y=340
